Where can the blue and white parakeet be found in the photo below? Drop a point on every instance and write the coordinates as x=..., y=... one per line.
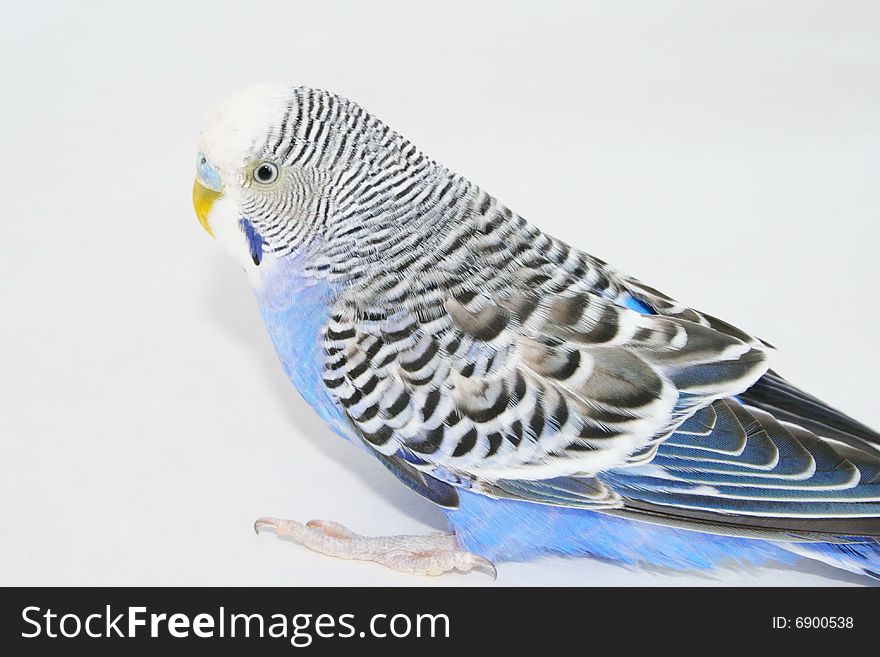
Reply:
x=549, y=403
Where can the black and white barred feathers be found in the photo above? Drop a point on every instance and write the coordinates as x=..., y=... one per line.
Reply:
x=469, y=349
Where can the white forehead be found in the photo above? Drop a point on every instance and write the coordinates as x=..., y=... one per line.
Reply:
x=241, y=122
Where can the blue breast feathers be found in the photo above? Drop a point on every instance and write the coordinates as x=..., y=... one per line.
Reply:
x=295, y=310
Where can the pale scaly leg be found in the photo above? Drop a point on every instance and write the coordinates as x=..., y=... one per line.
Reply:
x=431, y=554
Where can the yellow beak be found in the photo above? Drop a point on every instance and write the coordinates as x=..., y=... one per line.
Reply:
x=203, y=200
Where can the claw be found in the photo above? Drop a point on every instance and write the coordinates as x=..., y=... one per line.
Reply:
x=330, y=528
x=486, y=567
x=262, y=523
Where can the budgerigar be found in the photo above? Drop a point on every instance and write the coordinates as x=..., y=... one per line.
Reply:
x=549, y=403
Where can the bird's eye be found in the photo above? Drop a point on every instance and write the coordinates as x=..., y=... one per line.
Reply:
x=266, y=173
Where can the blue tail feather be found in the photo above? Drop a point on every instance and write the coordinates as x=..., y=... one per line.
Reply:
x=511, y=530
x=862, y=555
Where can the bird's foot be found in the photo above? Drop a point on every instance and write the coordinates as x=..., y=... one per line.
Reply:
x=431, y=554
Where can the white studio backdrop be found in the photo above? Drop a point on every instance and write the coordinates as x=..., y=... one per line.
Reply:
x=724, y=152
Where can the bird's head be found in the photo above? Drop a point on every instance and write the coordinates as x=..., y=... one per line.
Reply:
x=285, y=171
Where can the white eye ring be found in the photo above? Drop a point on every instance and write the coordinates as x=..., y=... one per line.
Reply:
x=265, y=173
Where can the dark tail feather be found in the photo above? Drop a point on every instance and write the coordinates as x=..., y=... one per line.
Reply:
x=788, y=403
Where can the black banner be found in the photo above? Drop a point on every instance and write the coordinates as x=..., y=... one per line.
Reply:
x=112, y=620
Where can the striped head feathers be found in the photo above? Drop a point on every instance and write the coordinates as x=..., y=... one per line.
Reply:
x=284, y=171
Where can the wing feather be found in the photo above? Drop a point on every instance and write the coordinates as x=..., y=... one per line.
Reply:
x=517, y=386
x=560, y=382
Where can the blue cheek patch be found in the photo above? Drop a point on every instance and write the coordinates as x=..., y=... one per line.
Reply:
x=255, y=240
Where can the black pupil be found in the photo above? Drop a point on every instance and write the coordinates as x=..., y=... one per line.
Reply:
x=264, y=173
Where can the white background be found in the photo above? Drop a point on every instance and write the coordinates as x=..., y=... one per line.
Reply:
x=725, y=152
